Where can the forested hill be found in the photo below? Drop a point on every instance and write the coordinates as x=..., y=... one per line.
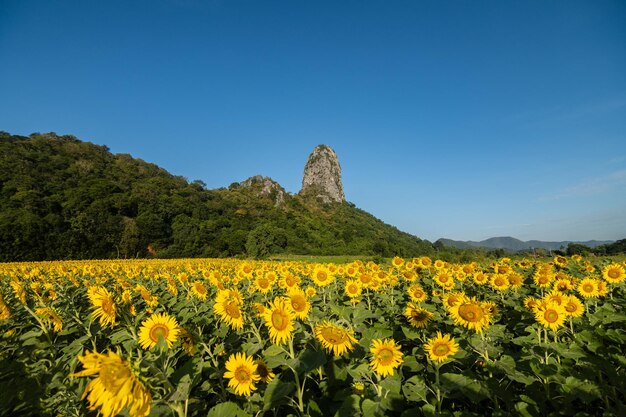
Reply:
x=62, y=198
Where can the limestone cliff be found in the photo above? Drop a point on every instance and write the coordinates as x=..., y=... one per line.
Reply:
x=322, y=176
x=266, y=187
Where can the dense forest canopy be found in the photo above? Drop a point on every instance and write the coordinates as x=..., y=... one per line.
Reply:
x=62, y=198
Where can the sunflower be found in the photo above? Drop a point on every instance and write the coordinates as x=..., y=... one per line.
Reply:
x=562, y=284
x=229, y=311
x=588, y=288
x=550, y=315
x=299, y=302
x=417, y=316
x=358, y=388
x=614, y=273
x=543, y=278
x=103, y=305
x=366, y=279
x=450, y=299
x=444, y=279
x=417, y=293
x=409, y=275
x=263, y=284
x=333, y=338
x=289, y=281
x=228, y=307
x=50, y=317
x=576, y=258
x=189, y=347
x=491, y=308
x=199, y=290
x=386, y=356
x=499, y=282
x=470, y=313
x=310, y=292
x=397, y=262
x=516, y=280
x=425, y=262
x=242, y=373
x=441, y=347
x=531, y=303
x=265, y=372
x=560, y=261
x=573, y=306
x=353, y=288
x=156, y=326
x=279, y=321
x=116, y=386
x=5, y=313
x=481, y=278
x=322, y=276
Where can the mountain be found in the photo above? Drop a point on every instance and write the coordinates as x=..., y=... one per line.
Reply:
x=515, y=245
x=63, y=198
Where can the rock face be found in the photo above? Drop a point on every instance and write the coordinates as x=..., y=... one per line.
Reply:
x=322, y=176
x=266, y=187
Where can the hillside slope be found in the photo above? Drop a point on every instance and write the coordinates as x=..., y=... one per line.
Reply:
x=62, y=198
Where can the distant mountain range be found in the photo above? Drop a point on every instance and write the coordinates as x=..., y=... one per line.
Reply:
x=514, y=245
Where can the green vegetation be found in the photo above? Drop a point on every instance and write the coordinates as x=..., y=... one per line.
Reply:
x=62, y=198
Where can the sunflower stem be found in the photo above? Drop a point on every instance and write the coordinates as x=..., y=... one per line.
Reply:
x=299, y=388
x=438, y=390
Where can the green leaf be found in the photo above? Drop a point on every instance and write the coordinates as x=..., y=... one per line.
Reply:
x=471, y=388
x=228, y=409
x=414, y=389
x=251, y=348
x=392, y=383
x=276, y=393
x=349, y=407
x=429, y=410
x=309, y=360
x=357, y=372
x=313, y=410
x=507, y=365
x=274, y=356
x=185, y=378
x=369, y=408
x=584, y=390
x=376, y=332
x=526, y=410
x=410, y=362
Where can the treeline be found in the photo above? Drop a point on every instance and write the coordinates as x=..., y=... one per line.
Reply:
x=615, y=248
x=62, y=198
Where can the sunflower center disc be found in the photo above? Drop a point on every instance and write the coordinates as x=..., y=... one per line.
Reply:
x=470, y=312
x=385, y=356
x=243, y=375
x=441, y=349
x=232, y=310
x=551, y=316
x=157, y=331
x=279, y=320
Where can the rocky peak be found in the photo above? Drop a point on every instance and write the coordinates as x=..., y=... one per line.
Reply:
x=322, y=176
x=266, y=187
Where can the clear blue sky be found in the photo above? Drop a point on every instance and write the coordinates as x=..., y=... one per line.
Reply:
x=458, y=119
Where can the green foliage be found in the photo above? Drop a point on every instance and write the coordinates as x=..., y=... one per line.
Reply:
x=62, y=198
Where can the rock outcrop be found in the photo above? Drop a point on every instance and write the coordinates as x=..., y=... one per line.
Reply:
x=266, y=187
x=322, y=176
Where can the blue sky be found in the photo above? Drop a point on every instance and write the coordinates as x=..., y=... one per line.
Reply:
x=457, y=119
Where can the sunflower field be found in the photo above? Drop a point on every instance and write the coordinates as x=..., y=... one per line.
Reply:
x=225, y=337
